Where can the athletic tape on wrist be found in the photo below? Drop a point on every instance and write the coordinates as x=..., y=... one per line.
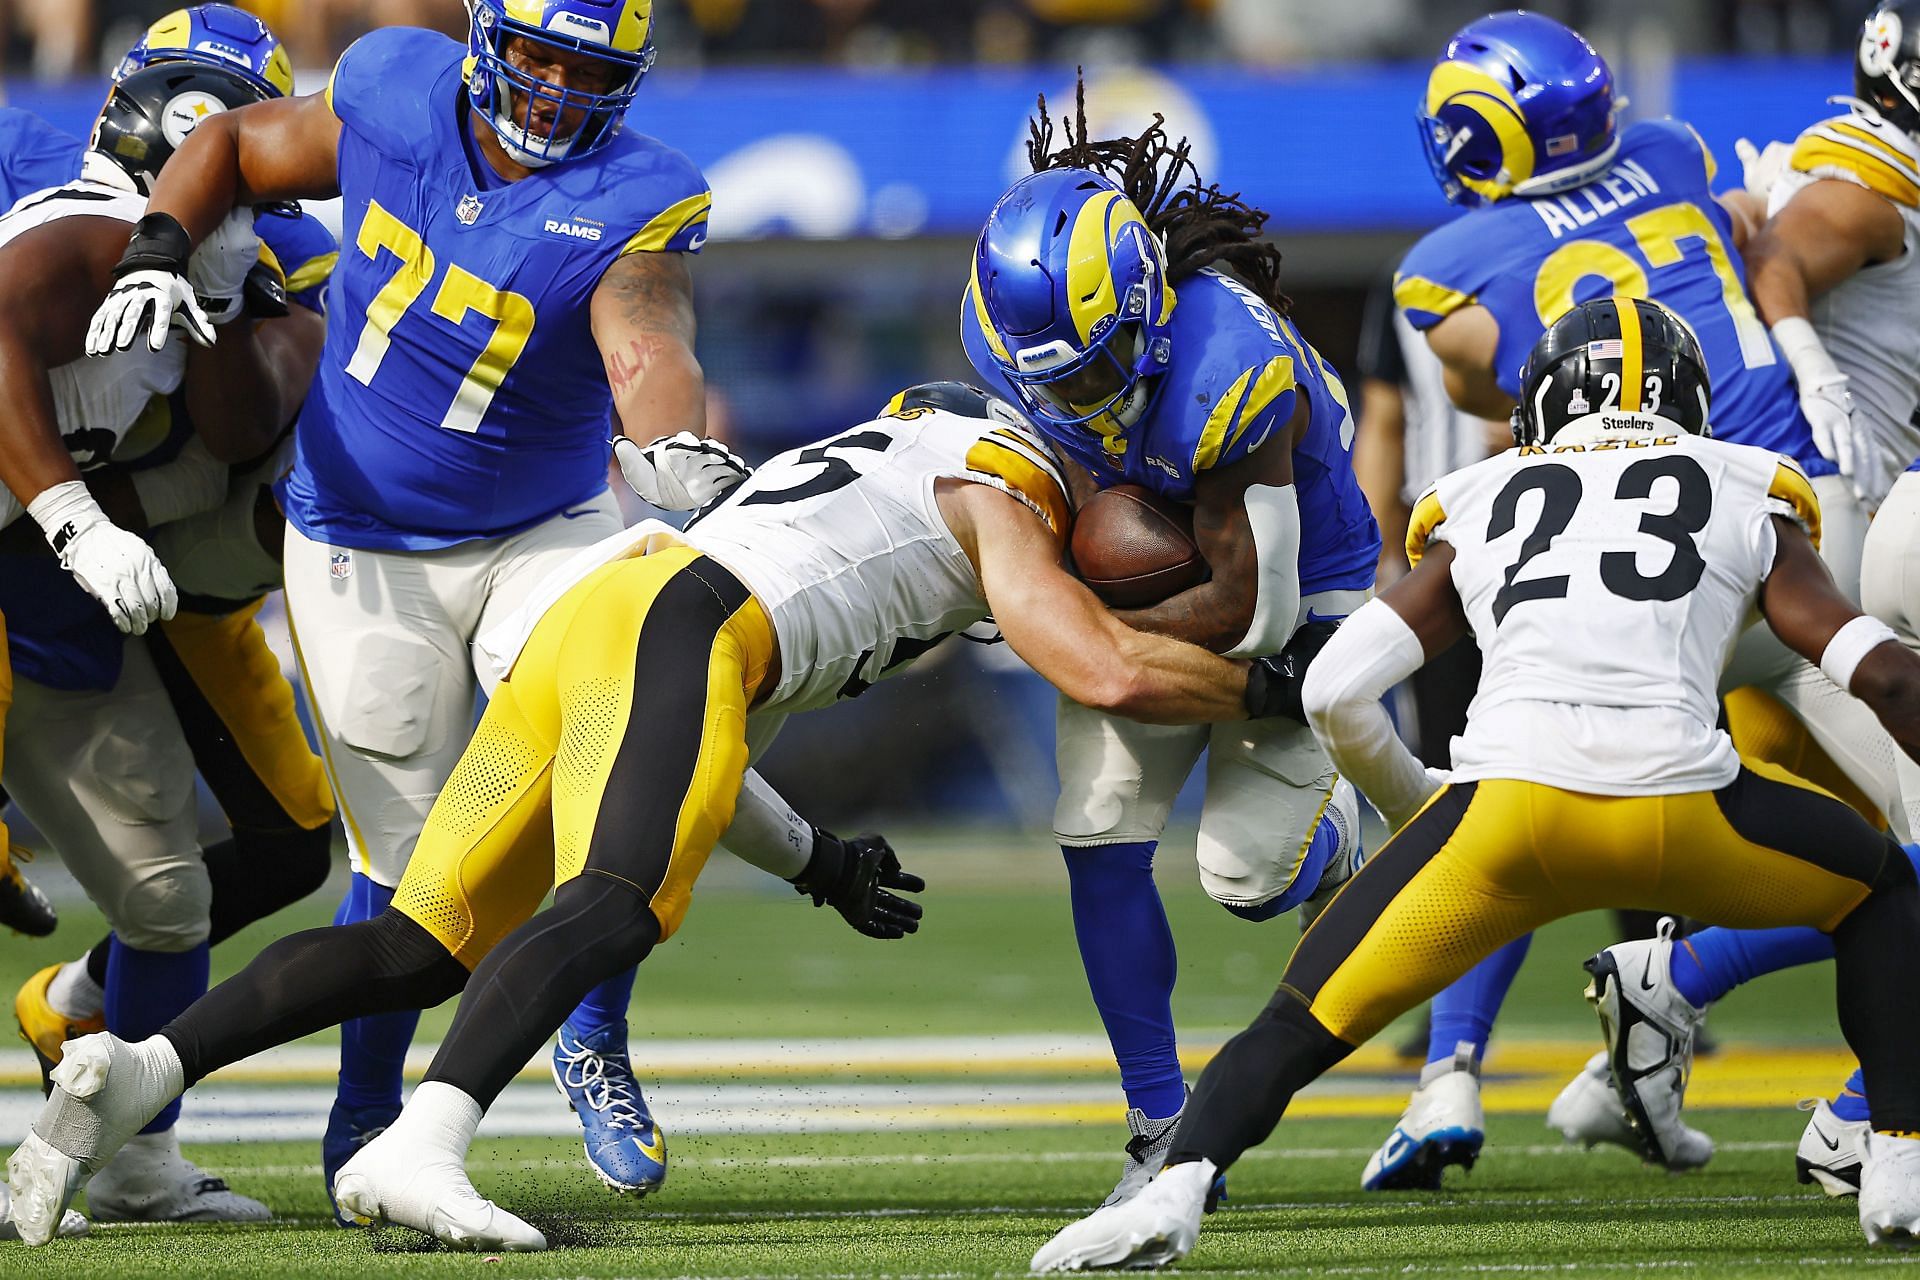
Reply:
x=1850, y=644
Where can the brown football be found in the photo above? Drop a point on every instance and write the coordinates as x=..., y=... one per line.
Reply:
x=1134, y=549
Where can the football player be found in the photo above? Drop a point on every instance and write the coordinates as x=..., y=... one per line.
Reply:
x=1520, y=124
x=1135, y=316
x=610, y=759
x=234, y=707
x=1605, y=567
x=515, y=278
x=100, y=764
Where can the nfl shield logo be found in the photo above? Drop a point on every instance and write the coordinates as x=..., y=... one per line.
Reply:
x=340, y=565
x=468, y=210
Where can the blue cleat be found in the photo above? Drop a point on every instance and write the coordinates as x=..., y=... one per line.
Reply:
x=624, y=1145
x=348, y=1130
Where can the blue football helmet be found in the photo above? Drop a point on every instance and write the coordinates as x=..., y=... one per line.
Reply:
x=218, y=35
x=619, y=32
x=1070, y=290
x=1518, y=105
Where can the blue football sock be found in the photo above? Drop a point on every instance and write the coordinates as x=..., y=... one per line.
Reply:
x=603, y=1006
x=1465, y=1011
x=373, y=1049
x=1127, y=949
x=1712, y=962
x=1326, y=837
x=1851, y=1102
x=148, y=989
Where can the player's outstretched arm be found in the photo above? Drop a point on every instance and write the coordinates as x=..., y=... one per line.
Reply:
x=1466, y=343
x=1246, y=522
x=287, y=149
x=643, y=322
x=1063, y=631
x=1385, y=641
x=1861, y=654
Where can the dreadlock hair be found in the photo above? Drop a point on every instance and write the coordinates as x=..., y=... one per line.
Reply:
x=1200, y=225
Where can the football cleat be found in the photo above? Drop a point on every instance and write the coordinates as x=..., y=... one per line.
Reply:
x=411, y=1184
x=1832, y=1151
x=1588, y=1112
x=348, y=1130
x=1443, y=1125
x=1146, y=1152
x=23, y=908
x=624, y=1144
x=148, y=1180
x=71, y=1223
x=1648, y=1027
x=1349, y=854
x=1155, y=1228
x=1890, y=1190
x=45, y=1027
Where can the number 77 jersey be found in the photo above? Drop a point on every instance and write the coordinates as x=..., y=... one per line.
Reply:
x=461, y=394
x=1605, y=584
x=1647, y=227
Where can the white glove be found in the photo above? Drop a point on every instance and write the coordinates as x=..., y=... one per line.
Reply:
x=115, y=567
x=681, y=472
x=218, y=269
x=1824, y=398
x=149, y=300
x=1761, y=169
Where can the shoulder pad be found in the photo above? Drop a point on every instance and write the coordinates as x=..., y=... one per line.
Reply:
x=1790, y=495
x=382, y=87
x=1257, y=394
x=1426, y=518
x=1020, y=466
x=1864, y=150
x=661, y=193
x=1444, y=272
x=1677, y=137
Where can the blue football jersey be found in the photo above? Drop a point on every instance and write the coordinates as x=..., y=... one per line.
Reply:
x=33, y=155
x=1648, y=227
x=1237, y=370
x=462, y=394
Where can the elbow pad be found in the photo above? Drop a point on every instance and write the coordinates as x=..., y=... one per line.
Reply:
x=1273, y=514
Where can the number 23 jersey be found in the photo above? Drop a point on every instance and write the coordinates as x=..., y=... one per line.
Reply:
x=1606, y=584
x=461, y=394
x=1648, y=227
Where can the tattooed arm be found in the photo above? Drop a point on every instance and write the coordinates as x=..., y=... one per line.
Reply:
x=643, y=322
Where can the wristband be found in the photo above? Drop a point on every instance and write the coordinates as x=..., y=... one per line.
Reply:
x=64, y=512
x=1851, y=643
x=1812, y=365
x=159, y=243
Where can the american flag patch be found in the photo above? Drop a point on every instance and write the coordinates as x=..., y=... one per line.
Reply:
x=1565, y=144
x=1606, y=349
x=340, y=565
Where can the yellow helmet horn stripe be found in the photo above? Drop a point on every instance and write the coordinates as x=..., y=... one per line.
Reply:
x=170, y=32
x=1472, y=88
x=631, y=35
x=1633, y=371
x=1090, y=294
x=978, y=298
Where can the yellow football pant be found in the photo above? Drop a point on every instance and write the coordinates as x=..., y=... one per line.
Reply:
x=616, y=748
x=1764, y=730
x=1485, y=862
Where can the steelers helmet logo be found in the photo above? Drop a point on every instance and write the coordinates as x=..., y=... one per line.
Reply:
x=184, y=112
x=1880, y=43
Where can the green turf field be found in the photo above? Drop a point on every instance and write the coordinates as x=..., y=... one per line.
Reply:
x=977, y=1197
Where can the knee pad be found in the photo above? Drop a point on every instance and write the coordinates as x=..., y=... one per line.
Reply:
x=165, y=908
x=140, y=773
x=1268, y=784
x=1118, y=779
x=387, y=711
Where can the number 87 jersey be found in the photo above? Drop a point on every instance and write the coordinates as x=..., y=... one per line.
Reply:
x=1647, y=226
x=1605, y=584
x=461, y=394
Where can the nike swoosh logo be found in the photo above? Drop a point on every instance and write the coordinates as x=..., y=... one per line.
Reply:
x=694, y=244
x=1832, y=1144
x=1646, y=979
x=575, y=515
x=656, y=1150
x=1325, y=617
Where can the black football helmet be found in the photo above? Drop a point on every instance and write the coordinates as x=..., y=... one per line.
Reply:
x=1886, y=66
x=1630, y=363
x=960, y=398
x=151, y=112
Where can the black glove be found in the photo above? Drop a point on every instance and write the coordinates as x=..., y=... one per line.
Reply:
x=1274, y=683
x=853, y=876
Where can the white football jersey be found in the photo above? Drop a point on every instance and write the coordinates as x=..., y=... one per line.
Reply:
x=1870, y=322
x=843, y=544
x=1606, y=584
x=96, y=402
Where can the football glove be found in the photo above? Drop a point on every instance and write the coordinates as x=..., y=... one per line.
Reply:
x=682, y=472
x=1760, y=169
x=1828, y=406
x=854, y=877
x=1274, y=683
x=219, y=268
x=115, y=567
x=150, y=292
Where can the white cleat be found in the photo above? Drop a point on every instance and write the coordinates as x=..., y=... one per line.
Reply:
x=1832, y=1151
x=1588, y=1112
x=412, y=1185
x=150, y=1181
x=1155, y=1228
x=71, y=1223
x=1649, y=1028
x=1890, y=1191
x=1443, y=1125
x=104, y=1091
